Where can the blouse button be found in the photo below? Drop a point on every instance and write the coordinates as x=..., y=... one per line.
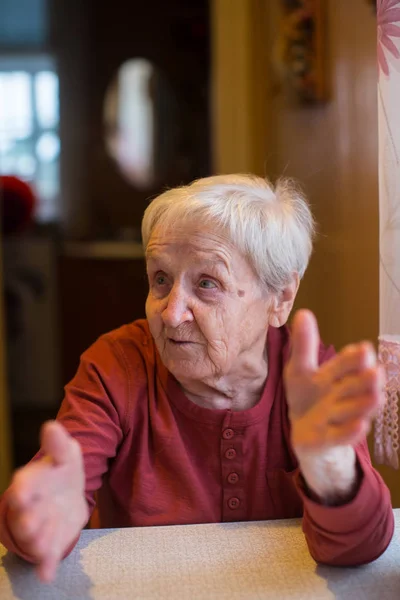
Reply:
x=233, y=503
x=233, y=478
x=228, y=434
x=230, y=453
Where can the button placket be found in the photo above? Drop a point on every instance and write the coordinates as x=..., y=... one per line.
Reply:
x=233, y=505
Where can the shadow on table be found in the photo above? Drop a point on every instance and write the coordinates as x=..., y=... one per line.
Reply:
x=360, y=583
x=71, y=580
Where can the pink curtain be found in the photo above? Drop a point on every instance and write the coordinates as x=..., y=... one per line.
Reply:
x=388, y=49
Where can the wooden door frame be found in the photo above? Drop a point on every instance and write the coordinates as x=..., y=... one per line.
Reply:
x=241, y=84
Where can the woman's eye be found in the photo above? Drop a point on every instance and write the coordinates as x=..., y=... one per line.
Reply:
x=207, y=284
x=161, y=279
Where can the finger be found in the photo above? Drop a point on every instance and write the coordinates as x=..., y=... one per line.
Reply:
x=360, y=407
x=56, y=442
x=352, y=359
x=369, y=381
x=50, y=550
x=44, y=542
x=47, y=569
x=305, y=342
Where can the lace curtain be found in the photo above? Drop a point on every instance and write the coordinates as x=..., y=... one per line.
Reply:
x=388, y=50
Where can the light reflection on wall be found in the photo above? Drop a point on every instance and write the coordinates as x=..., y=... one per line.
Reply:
x=129, y=119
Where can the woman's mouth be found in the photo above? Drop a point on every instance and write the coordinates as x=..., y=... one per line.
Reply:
x=179, y=342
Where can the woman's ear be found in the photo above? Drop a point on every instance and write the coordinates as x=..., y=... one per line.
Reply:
x=282, y=302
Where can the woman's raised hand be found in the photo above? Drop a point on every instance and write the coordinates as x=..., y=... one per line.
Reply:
x=333, y=404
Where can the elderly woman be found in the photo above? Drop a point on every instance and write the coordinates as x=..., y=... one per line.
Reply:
x=211, y=409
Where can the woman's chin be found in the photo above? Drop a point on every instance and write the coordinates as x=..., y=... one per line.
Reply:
x=184, y=368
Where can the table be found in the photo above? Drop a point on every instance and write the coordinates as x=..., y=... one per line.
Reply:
x=253, y=560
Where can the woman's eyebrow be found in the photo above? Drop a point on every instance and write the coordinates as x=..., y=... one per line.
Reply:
x=151, y=254
x=209, y=263
x=219, y=262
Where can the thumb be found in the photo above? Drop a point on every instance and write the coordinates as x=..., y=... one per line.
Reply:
x=55, y=442
x=305, y=342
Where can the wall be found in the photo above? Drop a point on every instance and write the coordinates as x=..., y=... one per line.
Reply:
x=332, y=149
x=240, y=85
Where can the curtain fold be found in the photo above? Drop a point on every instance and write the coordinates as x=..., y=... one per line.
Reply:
x=388, y=53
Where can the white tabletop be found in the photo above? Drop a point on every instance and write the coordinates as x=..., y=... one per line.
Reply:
x=238, y=560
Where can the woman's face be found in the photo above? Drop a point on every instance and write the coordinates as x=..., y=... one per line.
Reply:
x=206, y=309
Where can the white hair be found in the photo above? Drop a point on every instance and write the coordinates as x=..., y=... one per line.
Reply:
x=271, y=225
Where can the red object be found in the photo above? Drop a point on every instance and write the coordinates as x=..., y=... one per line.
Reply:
x=160, y=459
x=17, y=204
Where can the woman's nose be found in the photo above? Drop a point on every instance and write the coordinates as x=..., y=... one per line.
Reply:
x=177, y=309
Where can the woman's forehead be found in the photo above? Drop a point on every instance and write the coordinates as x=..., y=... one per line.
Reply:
x=191, y=253
x=196, y=244
x=195, y=239
x=213, y=260
x=188, y=229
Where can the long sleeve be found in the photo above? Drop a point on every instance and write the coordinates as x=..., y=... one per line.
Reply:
x=92, y=411
x=357, y=532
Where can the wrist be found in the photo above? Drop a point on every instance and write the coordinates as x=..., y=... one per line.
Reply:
x=331, y=475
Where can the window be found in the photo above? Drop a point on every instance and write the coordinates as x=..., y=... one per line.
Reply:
x=29, y=120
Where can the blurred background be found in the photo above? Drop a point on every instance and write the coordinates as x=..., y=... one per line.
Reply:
x=102, y=106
